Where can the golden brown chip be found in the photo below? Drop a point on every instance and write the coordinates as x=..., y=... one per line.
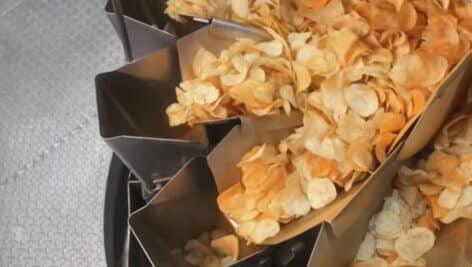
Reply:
x=419, y=69
x=428, y=221
x=441, y=38
x=362, y=99
x=414, y=243
x=303, y=77
x=359, y=153
x=382, y=145
x=341, y=42
x=373, y=262
x=320, y=192
x=437, y=210
x=392, y=122
x=367, y=248
x=226, y=245
x=418, y=100
x=442, y=163
x=383, y=17
x=430, y=189
x=316, y=4
x=448, y=198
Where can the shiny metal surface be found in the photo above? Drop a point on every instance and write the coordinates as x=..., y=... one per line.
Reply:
x=131, y=110
x=53, y=163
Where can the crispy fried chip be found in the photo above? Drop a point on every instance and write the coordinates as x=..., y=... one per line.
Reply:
x=385, y=247
x=383, y=17
x=303, y=77
x=367, y=249
x=448, y=199
x=392, y=122
x=320, y=191
x=373, y=262
x=388, y=224
x=264, y=229
x=362, y=99
x=240, y=7
x=272, y=48
x=419, y=69
x=382, y=145
x=293, y=201
x=414, y=243
x=227, y=246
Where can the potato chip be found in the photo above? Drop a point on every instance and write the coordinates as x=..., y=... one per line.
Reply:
x=203, y=59
x=418, y=100
x=442, y=163
x=428, y=221
x=465, y=198
x=429, y=189
x=314, y=124
x=319, y=191
x=323, y=63
x=293, y=201
x=319, y=166
x=405, y=263
x=325, y=14
x=448, y=199
x=198, y=8
x=437, y=210
x=456, y=213
x=240, y=7
x=330, y=147
x=227, y=262
x=315, y=4
x=385, y=247
x=286, y=92
x=441, y=38
x=392, y=122
x=382, y=17
x=246, y=228
x=333, y=96
x=373, y=262
x=414, y=243
x=341, y=42
x=297, y=40
x=382, y=145
x=388, y=224
x=419, y=69
x=367, y=248
x=254, y=174
x=178, y=114
x=351, y=127
x=359, y=153
x=227, y=246
x=233, y=202
x=361, y=99
x=263, y=230
x=272, y=48
x=397, y=4
x=352, y=21
x=303, y=77
x=196, y=252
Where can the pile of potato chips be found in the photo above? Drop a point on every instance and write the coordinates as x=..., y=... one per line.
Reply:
x=438, y=190
x=358, y=70
x=210, y=249
x=394, y=237
x=278, y=15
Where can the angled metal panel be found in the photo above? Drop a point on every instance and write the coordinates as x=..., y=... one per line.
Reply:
x=131, y=110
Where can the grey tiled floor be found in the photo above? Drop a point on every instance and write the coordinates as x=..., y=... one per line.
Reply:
x=53, y=165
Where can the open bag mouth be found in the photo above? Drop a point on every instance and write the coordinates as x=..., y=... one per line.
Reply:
x=182, y=170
